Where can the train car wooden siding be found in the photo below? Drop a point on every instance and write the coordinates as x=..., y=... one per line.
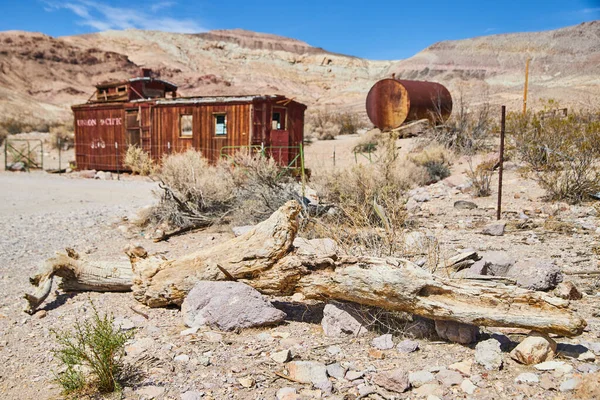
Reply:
x=139, y=112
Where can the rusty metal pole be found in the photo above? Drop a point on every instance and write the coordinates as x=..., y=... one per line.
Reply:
x=501, y=166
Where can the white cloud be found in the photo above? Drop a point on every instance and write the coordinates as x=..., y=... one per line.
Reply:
x=590, y=10
x=101, y=16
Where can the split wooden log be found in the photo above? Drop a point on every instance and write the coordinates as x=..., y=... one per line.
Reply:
x=261, y=259
x=264, y=258
x=78, y=275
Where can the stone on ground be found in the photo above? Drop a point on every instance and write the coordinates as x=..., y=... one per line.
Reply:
x=428, y=390
x=536, y=274
x=456, y=332
x=336, y=371
x=568, y=291
x=464, y=205
x=395, y=380
x=383, y=342
x=534, y=349
x=282, y=356
x=464, y=367
x=468, y=387
x=494, y=229
x=407, y=346
x=489, y=355
x=497, y=263
x=286, y=393
x=527, y=377
x=337, y=321
x=228, y=306
x=419, y=378
x=569, y=385
x=449, y=378
x=307, y=371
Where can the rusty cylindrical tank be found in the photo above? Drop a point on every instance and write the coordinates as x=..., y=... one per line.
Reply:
x=391, y=102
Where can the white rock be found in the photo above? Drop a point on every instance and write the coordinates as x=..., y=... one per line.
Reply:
x=468, y=387
x=489, y=355
x=282, y=356
x=383, y=342
x=527, y=377
x=419, y=378
x=182, y=358
x=569, y=385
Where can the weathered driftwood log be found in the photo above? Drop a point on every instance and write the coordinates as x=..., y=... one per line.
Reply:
x=78, y=275
x=262, y=259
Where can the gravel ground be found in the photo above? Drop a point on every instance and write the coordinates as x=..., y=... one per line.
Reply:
x=41, y=213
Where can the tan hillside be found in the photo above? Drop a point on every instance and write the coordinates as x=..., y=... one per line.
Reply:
x=41, y=76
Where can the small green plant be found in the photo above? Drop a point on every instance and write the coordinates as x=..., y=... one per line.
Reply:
x=95, y=345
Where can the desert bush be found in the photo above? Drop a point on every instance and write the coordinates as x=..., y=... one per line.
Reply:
x=139, y=161
x=326, y=125
x=369, y=142
x=62, y=136
x=468, y=129
x=244, y=189
x=561, y=153
x=436, y=159
x=368, y=201
x=13, y=126
x=481, y=177
x=3, y=135
x=96, y=345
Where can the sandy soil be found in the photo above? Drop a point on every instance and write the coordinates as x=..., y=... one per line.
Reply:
x=41, y=213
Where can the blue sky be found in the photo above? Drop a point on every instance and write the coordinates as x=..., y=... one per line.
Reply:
x=371, y=29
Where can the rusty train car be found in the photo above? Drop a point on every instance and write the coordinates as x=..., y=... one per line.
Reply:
x=146, y=112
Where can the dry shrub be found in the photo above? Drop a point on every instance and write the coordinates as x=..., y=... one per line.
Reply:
x=561, y=153
x=326, y=125
x=436, y=159
x=369, y=142
x=62, y=136
x=245, y=189
x=3, y=135
x=262, y=186
x=139, y=161
x=481, y=177
x=369, y=211
x=195, y=192
x=467, y=131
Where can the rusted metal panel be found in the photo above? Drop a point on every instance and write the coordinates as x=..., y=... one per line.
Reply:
x=392, y=102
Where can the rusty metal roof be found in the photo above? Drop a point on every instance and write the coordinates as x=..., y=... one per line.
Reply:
x=171, y=86
x=217, y=99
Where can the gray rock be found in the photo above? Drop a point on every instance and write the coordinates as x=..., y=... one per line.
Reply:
x=192, y=395
x=325, y=386
x=395, y=380
x=464, y=205
x=421, y=197
x=281, y=356
x=420, y=328
x=588, y=368
x=407, y=346
x=336, y=371
x=449, y=378
x=316, y=247
x=354, y=375
x=228, y=306
x=419, y=378
x=240, y=230
x=489, y=355
x=182, y=358
x=365, y=390
x=17, y=166
x=593, y=346
x=307, y=371
x=536, y=274
x=527, y=377
x=333, y=350
x=571, y=350
x=337, y=321
x=383, y=342
x=568, y=291
x=456, y=332
x=497, y=263
x=468, y=387
x=569, y=385
x=494, y=229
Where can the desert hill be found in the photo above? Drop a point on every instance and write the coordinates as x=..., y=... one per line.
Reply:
x=41, y=76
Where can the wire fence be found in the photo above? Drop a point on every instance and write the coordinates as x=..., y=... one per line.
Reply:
x=100, y=155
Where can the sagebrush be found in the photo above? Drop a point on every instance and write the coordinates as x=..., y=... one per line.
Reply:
x=96, y=345
x=561, y=153
x=243, y=189
x=139, y=161
x=326, y=125
x=480, y=177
